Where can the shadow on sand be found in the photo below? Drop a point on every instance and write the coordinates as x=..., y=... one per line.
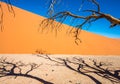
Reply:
x=8, y=69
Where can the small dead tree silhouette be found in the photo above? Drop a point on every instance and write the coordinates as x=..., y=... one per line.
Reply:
x=62, y=16
x=101, y=69
x=16, y=70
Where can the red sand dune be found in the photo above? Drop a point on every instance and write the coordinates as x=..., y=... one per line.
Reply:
x=21, y=36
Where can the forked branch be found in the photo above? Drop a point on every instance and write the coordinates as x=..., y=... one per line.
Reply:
x=94, y=15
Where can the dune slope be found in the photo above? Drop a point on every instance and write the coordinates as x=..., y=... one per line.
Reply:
x=21, y=35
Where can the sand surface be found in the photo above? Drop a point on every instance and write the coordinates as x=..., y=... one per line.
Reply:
x=54, y=72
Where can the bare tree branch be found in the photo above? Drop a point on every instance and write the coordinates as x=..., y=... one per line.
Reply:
x=97, y=4
x=51, y=7
x=94, y=16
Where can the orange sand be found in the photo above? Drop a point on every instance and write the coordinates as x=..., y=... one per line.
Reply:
x=21, y=36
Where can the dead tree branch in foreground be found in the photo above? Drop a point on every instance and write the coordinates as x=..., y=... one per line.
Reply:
x=93, y=16
x=101, y=69
x=17, y=70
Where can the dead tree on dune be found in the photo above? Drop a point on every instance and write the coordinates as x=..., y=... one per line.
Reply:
x=93, y=16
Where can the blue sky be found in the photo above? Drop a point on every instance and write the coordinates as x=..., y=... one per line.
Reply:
x=101, y=26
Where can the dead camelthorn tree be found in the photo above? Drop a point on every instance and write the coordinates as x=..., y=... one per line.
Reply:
x=91, y=16
x=94, y=15
x=88, y=67
x=18, y=69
